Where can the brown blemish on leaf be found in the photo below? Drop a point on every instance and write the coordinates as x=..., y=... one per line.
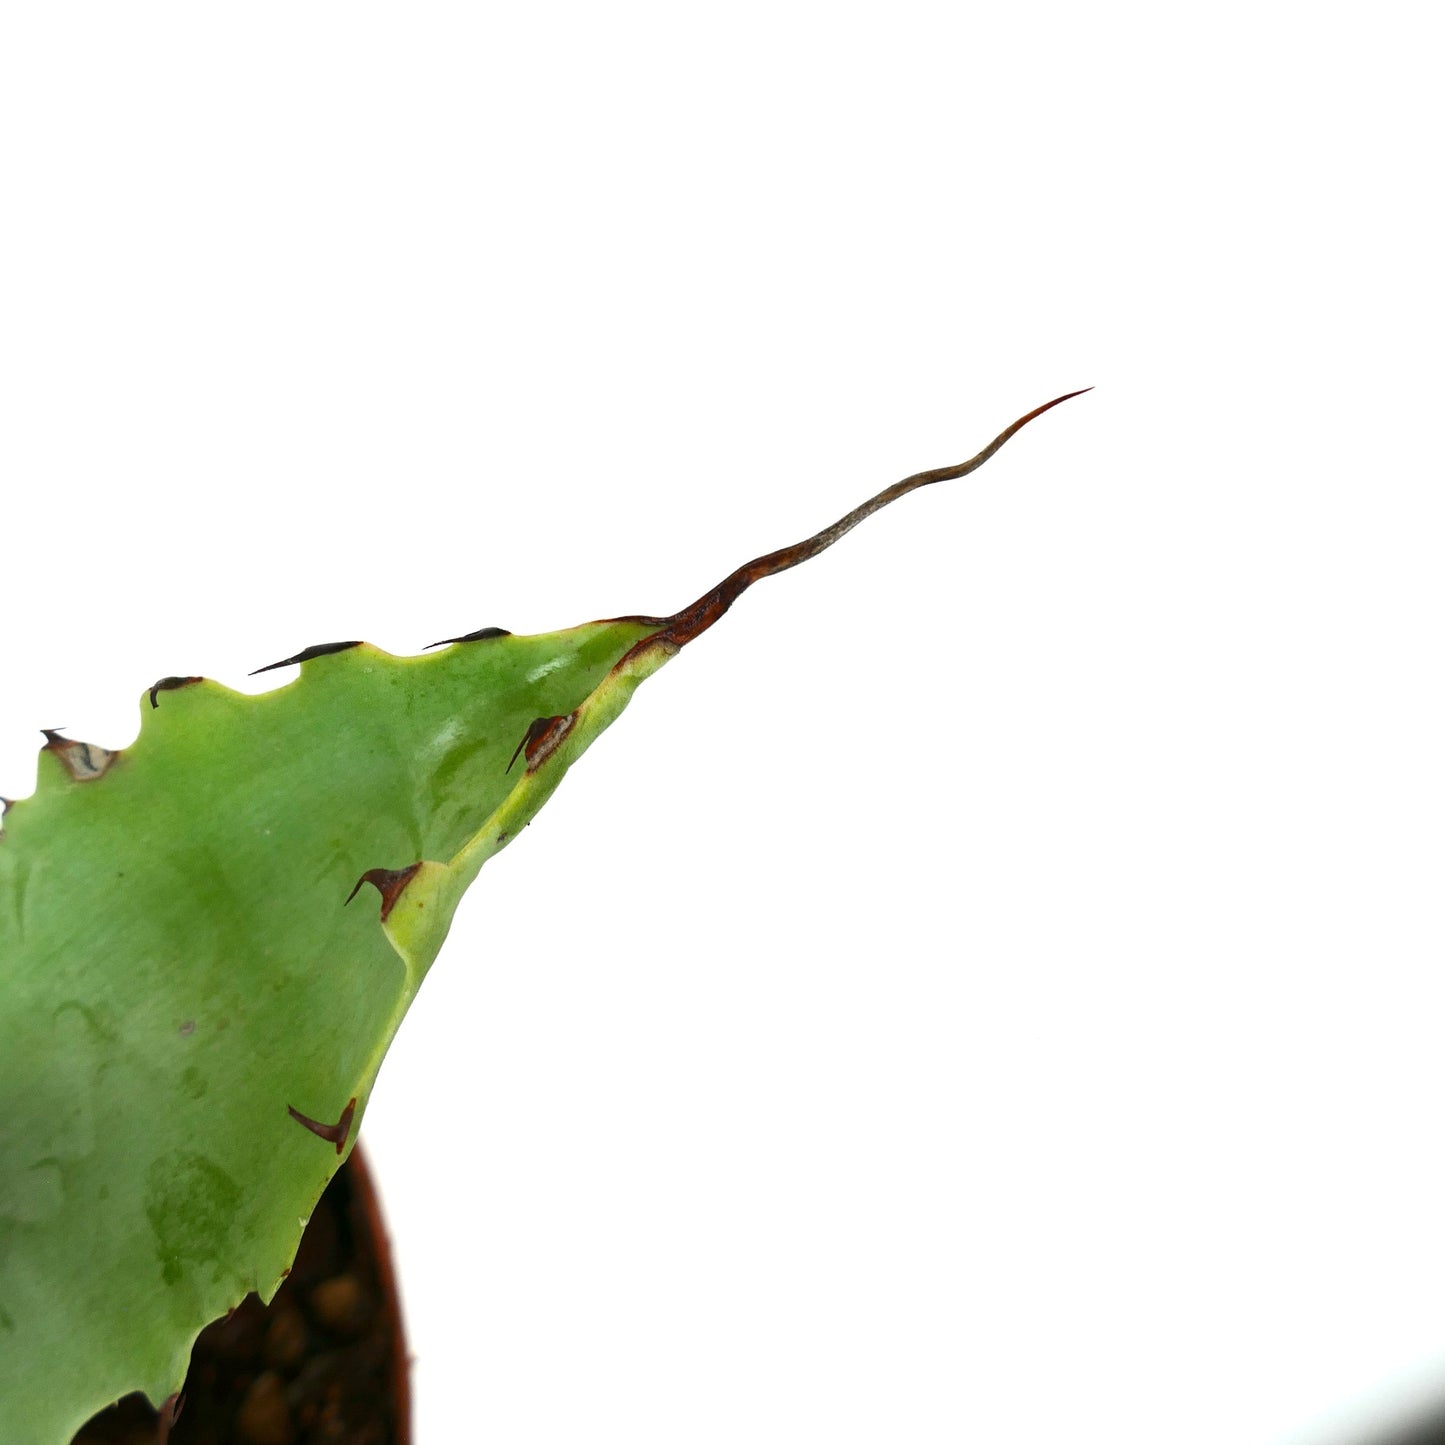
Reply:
x=682, y=627
x=336, y=1133
x=389, y=882
x=322, y=649
x=85, y=762
x=482, y=634
x=170, y=1412
x=543, y=735
x=169, y=684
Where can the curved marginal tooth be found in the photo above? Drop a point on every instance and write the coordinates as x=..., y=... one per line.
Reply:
x=482, y=634
x=169, y=684
x=336, y=1133
x=321, y=649
x=389, y=882
x=542, y=736
x=85, y=762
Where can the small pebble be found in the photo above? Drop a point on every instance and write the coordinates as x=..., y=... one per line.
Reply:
x=318, y=1375
x=285, y=1344
x=264, y=1418
x=341, y=1305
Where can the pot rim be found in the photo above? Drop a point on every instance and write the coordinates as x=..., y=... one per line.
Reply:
x=366, y=1205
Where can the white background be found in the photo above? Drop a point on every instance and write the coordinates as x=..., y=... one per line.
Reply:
x=990, y=988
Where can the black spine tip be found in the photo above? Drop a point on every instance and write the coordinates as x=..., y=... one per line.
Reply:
x=482, y=634
x=322, y=649
x=168, y=684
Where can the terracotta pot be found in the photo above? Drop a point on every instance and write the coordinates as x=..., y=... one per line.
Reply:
x=324, y=1364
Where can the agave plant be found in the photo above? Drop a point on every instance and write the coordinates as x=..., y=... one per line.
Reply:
x=192, y=1018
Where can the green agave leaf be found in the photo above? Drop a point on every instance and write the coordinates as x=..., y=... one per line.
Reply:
x=191, y=1019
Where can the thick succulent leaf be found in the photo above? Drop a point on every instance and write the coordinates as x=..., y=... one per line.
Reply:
x=191, y=1018
x=179, y=970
